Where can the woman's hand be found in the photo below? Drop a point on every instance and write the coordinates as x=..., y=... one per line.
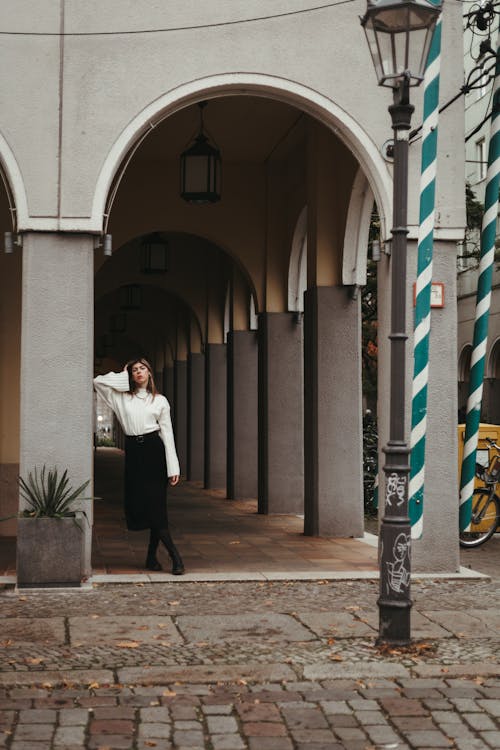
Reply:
x=174, y=480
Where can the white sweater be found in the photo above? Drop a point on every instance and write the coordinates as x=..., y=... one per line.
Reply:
x=140, y=413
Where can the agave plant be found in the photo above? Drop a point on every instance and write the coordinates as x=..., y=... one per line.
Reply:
x=48, y=495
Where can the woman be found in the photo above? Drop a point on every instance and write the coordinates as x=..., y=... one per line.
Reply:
x=150, y=455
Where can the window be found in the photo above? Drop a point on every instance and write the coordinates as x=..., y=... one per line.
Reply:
x=481, y=159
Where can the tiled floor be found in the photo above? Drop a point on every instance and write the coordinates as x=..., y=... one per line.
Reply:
x=213, y=534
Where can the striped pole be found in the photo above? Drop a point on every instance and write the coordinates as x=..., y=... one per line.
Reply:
x=483, y=301
x=423, y=286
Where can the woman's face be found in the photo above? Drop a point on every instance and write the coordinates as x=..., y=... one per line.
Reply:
x=140, y=374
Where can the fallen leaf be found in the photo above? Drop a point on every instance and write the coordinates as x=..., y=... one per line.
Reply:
x=128, y=644
x=33, y=660
x=330, y=641
x=169, y=693
x=93, y=686
x=8, y=642
x=234, y=542
x=150, y=743
x=94, y=617
x=173, y=604
x=162, y=625
x=336, y=657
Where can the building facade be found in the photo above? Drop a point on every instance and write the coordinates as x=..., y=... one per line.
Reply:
x=478, y=107
x=249, y=317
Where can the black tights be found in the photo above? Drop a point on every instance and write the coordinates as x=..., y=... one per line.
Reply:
x=162, y=535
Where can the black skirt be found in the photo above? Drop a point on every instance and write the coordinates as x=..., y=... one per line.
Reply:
x=145, y=482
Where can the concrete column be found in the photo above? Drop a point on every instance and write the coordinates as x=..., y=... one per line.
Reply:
x=196, y=417
x=437, y=550
x=215, y=416
x=57, y=360
x=180, y=409
x=333, y=440
x=281, y=455
x=242, y=414
x=168, y=387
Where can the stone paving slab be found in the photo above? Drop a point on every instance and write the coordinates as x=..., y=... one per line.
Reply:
x=25, y=630
x=343, y=670
x=462, y=622
x=205, y=674
x=271, y=627
x=336, y=624
x=422, y=624
x=477, y=669
x=58, y=677
x=112, y=630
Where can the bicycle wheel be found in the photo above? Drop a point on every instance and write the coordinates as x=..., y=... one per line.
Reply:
x=485, y=519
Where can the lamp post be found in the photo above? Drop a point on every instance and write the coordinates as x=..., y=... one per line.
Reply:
x=399, y=33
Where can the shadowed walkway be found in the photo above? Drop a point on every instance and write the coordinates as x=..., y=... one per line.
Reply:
x=214, y=535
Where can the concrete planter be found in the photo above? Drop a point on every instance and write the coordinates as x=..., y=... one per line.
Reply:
x=50, y=551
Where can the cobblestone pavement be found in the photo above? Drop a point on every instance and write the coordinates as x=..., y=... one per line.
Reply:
x=248, y=666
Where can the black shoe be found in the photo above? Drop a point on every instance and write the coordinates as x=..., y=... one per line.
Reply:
x=152, y=564
x=178, y=567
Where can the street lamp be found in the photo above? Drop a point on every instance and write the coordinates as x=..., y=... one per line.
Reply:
x=399, y=34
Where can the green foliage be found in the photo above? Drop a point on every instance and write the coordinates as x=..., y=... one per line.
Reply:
x=471, y=247
x=370, y=463
x=105, y=442
x=369, y=348
x=47, y=495
x=474, y=209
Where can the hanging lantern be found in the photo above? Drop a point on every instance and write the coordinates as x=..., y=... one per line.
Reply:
x=201, y=169
x=131, y=297
x=154, y=253
x=118, y=323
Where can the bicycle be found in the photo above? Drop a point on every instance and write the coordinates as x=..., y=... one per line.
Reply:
x=485, y=503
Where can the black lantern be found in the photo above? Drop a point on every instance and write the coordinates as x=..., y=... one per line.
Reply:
x=118, y=323
x=154, y=253
x=131, y=297
x=399, y=35
x=201, y=169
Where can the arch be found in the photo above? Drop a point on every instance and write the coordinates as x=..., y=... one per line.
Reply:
x=14, y=186
x=464, y=363
x=176, y=298
x=357, y=231
x=493, y=363
x=297, y=269
x=206, y=237
x=345, y=127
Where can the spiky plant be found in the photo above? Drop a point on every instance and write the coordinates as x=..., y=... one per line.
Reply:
x=47, y=495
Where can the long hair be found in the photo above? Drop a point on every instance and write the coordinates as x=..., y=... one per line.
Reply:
x=133, y=387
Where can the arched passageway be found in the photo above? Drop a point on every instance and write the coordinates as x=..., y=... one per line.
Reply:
x=279, y=408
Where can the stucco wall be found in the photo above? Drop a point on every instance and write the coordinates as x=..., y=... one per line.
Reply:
x=107, y=79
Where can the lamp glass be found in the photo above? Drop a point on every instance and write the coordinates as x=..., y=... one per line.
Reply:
x=399, y=35
x=155, y=254
x=201, y=172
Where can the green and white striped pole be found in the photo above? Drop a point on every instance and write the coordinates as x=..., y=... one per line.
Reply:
x=483, y=301
x=423, y=286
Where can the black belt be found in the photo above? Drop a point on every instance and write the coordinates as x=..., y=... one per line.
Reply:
x=141, y=438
